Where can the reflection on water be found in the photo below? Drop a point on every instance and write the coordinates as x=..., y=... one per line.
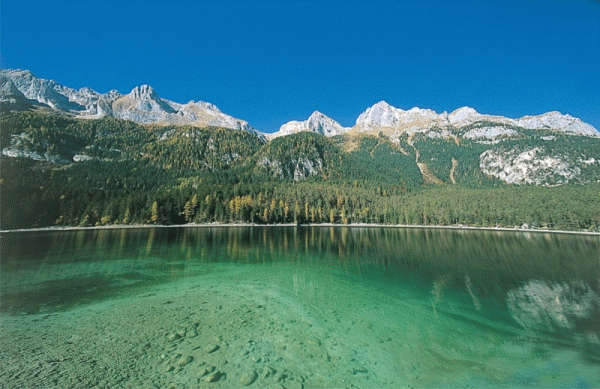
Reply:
x=483, y=264
x=542, y=284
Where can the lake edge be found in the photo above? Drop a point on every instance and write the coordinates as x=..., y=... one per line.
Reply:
x=353, y=225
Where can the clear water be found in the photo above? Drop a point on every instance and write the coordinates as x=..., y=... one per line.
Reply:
x=305, y=307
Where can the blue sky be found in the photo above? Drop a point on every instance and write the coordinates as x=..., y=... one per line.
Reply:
x=269, y=62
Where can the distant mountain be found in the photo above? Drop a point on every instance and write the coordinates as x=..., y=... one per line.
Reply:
x=384, y=117
x=20, y=90
x=394, y=122
x=23, y=90
x=317, y=123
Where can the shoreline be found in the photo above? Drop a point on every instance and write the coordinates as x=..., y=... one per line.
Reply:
x=353, y=225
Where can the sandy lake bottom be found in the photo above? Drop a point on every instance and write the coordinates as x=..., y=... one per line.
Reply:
x=278, y=325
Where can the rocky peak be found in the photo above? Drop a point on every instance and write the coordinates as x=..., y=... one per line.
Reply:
x=463, y=116
x=380, y=115
x=144, y=92
x=113, y=92
x=556, y=121
x=16, y=73
x=383, y=115
x=317, y=116
x=317, y=122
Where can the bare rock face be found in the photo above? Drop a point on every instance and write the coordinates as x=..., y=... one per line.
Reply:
x=531, y=166
x=298, y=168
x=11, y=97
x=142, y=105
x=463, y=117
x=557, y=121
x=380, y=115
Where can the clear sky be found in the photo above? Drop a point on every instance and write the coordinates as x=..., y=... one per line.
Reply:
x=269, y=62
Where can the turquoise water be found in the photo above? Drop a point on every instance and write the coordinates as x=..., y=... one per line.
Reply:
x=294, y=307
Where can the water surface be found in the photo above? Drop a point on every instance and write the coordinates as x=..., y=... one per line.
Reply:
x=299, y=307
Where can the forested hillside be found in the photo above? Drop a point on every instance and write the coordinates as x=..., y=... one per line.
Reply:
x=60, y=171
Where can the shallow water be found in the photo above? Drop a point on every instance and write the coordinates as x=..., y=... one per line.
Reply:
x=299, y=307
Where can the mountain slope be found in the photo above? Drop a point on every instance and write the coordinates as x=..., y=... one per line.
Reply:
x=474, y=156
x=59, y=170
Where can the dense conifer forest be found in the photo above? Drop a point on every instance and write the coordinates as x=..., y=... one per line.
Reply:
x=72, y=172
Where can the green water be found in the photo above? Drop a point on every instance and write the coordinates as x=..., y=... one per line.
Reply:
x=305, y=307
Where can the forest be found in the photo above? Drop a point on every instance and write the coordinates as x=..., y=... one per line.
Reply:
x=72, y=172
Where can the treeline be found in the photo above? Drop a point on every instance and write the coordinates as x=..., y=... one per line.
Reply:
x=102, y=197
x=130, y=174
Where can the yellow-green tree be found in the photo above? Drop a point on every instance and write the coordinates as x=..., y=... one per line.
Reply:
x=154, y=215
x=127, y=216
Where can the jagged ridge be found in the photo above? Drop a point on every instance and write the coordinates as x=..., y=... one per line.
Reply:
x=20, y=89
x=395, y=121
x=142, y=104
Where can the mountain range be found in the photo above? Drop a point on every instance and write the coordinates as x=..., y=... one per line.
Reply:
x=547, y=149
x=20, y=89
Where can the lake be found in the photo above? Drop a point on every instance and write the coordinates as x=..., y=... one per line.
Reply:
x=299, y=307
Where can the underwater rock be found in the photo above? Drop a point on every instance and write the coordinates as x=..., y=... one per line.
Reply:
x=211, y=348
x=173, y=336
x=206, y=370
x=214, y=377
x=269, y=371
x=248, y=378
x=184, y=360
